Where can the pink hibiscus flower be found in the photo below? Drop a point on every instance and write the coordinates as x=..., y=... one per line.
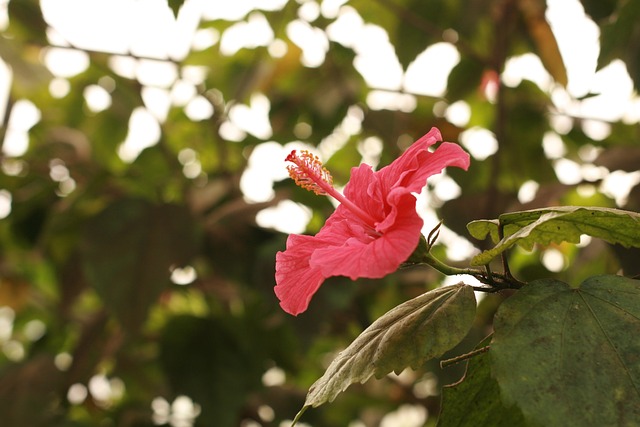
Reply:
x=374, y=229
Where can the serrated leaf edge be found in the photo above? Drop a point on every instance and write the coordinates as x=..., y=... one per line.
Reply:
x=538, y=217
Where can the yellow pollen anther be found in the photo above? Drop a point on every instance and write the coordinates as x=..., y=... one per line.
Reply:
x=308, y=172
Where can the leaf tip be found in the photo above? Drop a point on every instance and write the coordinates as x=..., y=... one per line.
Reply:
x=175, y=6
x=482, y=228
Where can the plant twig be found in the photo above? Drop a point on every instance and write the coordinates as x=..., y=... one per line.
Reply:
x=505, y=262
x=458, y=359
x=496, y=281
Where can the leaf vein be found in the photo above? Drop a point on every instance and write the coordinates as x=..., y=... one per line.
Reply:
x=619, y=356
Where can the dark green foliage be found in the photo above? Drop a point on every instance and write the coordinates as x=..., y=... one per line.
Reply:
x=475, y=399
x=552, y=341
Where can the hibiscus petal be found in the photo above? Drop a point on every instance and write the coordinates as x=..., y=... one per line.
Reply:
x=364, y=190
x=407, y=160
x=417, y=163
x=296, y=280
x=371, y=257
x=399, y=200
x=429, y=164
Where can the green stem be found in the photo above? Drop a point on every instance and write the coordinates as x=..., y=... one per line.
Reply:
x=496, y=281
x=447, y=269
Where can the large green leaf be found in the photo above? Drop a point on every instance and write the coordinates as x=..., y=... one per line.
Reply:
x=406, y=336
x=128, y=250
x=556, y=225
x=570, y=356
x=475, y=400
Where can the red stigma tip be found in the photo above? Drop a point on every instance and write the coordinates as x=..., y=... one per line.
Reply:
x=291, y=156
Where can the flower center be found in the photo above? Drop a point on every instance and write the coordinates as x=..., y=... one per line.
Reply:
x=308, y=172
